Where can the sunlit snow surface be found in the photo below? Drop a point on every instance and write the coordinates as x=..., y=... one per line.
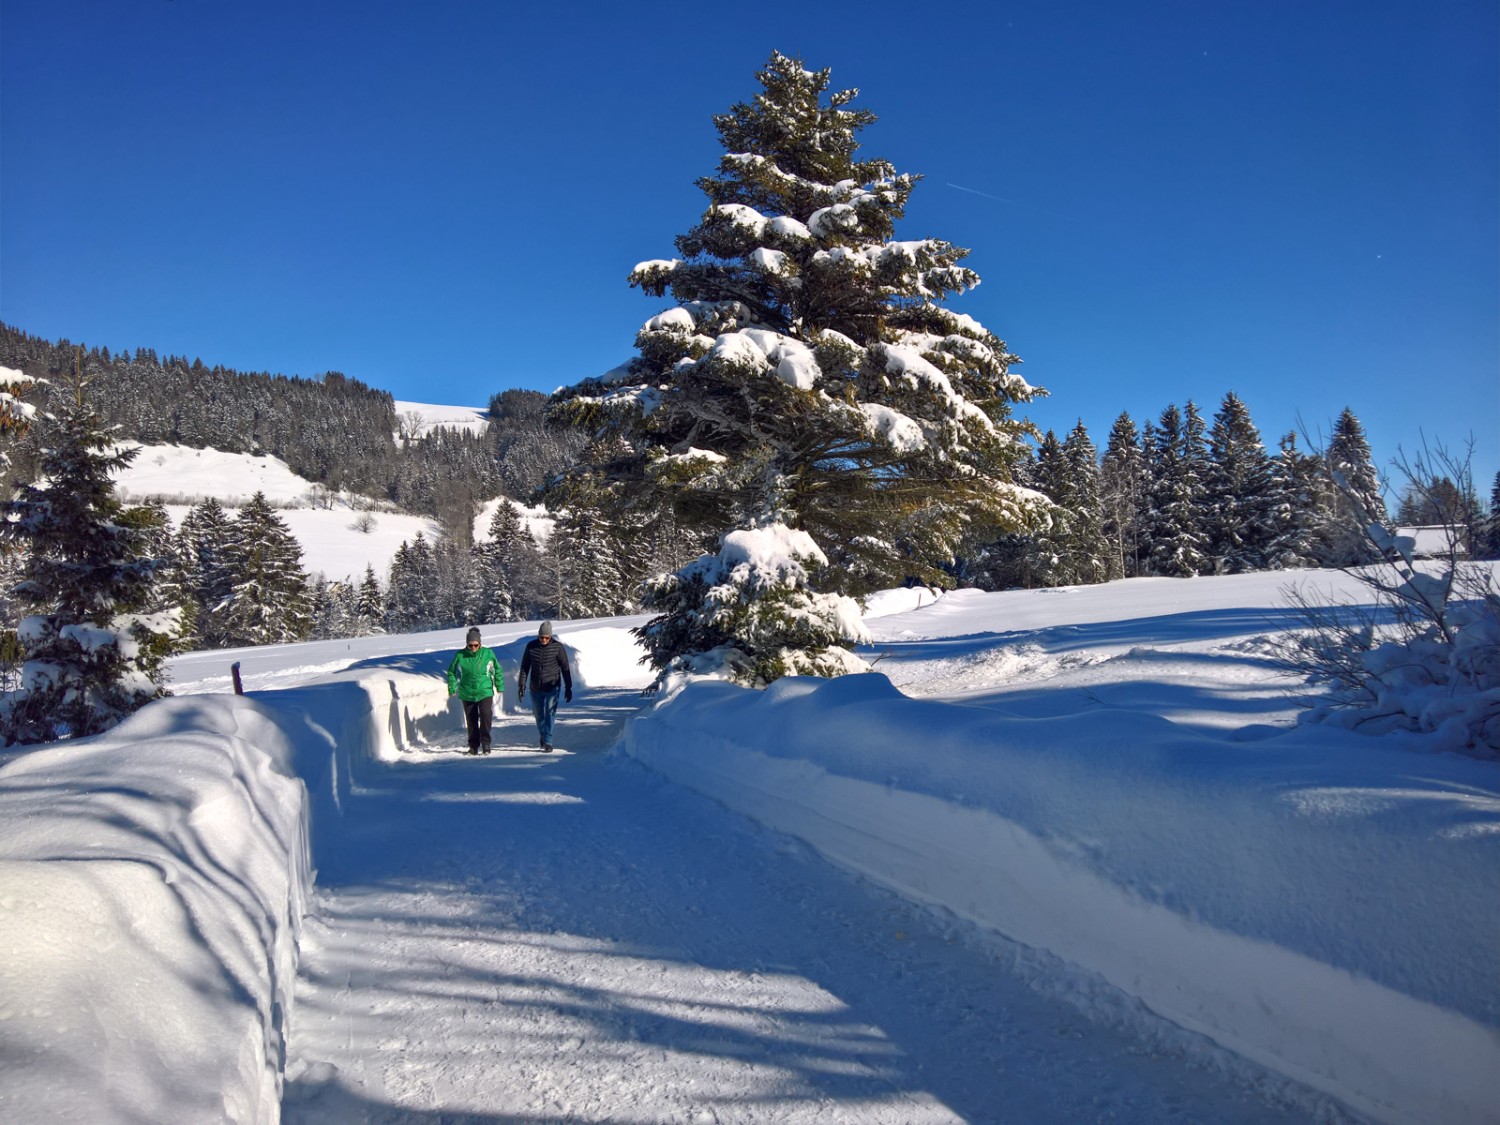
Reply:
x=1050, y=817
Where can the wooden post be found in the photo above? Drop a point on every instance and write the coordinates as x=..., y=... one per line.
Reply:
x=239, y=686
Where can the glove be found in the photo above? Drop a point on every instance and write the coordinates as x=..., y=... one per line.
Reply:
x=521, y=695
x=567, y=695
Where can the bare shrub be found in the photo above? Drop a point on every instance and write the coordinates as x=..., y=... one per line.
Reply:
x=1424, y=653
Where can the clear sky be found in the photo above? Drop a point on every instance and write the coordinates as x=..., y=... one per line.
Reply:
x=1298, y=200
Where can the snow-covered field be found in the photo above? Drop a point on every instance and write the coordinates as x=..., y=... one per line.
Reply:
x=338, y=537
x=424, y=417
x=1064, y=857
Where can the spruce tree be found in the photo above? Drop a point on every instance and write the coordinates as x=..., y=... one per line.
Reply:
x=369, y=612
x=593, y=581
x=1238, y=492
x=510, y=567
x=1355, y=490
x=1174, y=532
x=93, y=645
x=1296, y=514
x=421, y=594
x=809, y=377
x=1006, y=561
x=1087, y=548
x=400, y=609
x=15, y=412
x=269, y=601
x=204, y=542
x=1122, y=486
x=1489, y=540
x=1051, y=560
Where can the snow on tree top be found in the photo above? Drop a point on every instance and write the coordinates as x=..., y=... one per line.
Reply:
x=774, y=554
x=696, y=454
x=910, y=365
x=900, y=431
x=665, y=321
x=768, y=261
x=792, y=359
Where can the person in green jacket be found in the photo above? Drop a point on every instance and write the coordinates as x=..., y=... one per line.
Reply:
x=474, y=675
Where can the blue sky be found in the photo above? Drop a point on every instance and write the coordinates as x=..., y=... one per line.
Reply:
x=1297, y=201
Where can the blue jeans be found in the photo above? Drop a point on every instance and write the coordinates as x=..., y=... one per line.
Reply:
x=544, y=707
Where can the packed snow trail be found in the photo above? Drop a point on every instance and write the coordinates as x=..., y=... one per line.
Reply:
x=529, y=938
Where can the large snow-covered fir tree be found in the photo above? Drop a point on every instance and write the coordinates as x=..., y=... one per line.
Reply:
x=1298, y=507
x=1355, y=495
x=1238, y=501
x=93, y=645
x=269, y=601
x=1089, y=551
x=809, y=386
x=1174, y=524
x=205, y=543
x=1049, y=560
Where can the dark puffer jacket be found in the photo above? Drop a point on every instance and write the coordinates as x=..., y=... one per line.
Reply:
x=547, y=663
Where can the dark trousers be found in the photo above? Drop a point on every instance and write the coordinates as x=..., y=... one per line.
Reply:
x=477, y=716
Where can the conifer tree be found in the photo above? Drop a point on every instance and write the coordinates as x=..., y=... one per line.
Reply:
x=510, y=567
x=1174, y=531
x=593, y=581
x=15, y=412
x=1489, y=540
x=1088, y=552
x=809, y=376
x=1007, y=561
x=1355, y=493
x=1296, y=513
x=1121, y=487
x=401, y=614
x=170, y=592
x=205, y=545
x=93, y=647
x=1051, y=559
x=369, y=611
x=269, y=601
x=421, y=594
x=457, y=590
x=1238, y=492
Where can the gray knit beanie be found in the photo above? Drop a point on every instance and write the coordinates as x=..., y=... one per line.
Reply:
x=472, y=636
x=545, y=630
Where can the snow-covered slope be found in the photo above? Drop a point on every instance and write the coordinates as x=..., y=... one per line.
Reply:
x=418, y=419
x=1101, y=792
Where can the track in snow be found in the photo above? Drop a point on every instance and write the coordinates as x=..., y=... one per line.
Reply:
x=529, y=938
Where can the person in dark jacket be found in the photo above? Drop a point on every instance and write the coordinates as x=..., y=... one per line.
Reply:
x=474, y=675
x=546, y=661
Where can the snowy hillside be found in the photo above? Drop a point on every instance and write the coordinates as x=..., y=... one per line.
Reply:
x=418, y=419
x=1065, y=857
x=338, y=533
x=336, y=538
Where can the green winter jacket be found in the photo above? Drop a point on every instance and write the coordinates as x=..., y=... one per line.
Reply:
x=475, y=675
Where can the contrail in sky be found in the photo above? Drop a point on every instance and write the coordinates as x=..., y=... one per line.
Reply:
x=976, y=191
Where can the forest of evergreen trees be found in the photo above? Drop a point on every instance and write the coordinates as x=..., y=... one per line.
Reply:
x=1176, y=496
x=332, y=430
x=1183, y=496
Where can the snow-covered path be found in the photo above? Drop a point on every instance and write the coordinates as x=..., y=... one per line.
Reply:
x=572, y=938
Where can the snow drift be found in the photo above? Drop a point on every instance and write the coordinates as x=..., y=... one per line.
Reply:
x=1316, y=902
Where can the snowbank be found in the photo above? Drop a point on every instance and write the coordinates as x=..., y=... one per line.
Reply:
x=1316, y=902
x=153, y=881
